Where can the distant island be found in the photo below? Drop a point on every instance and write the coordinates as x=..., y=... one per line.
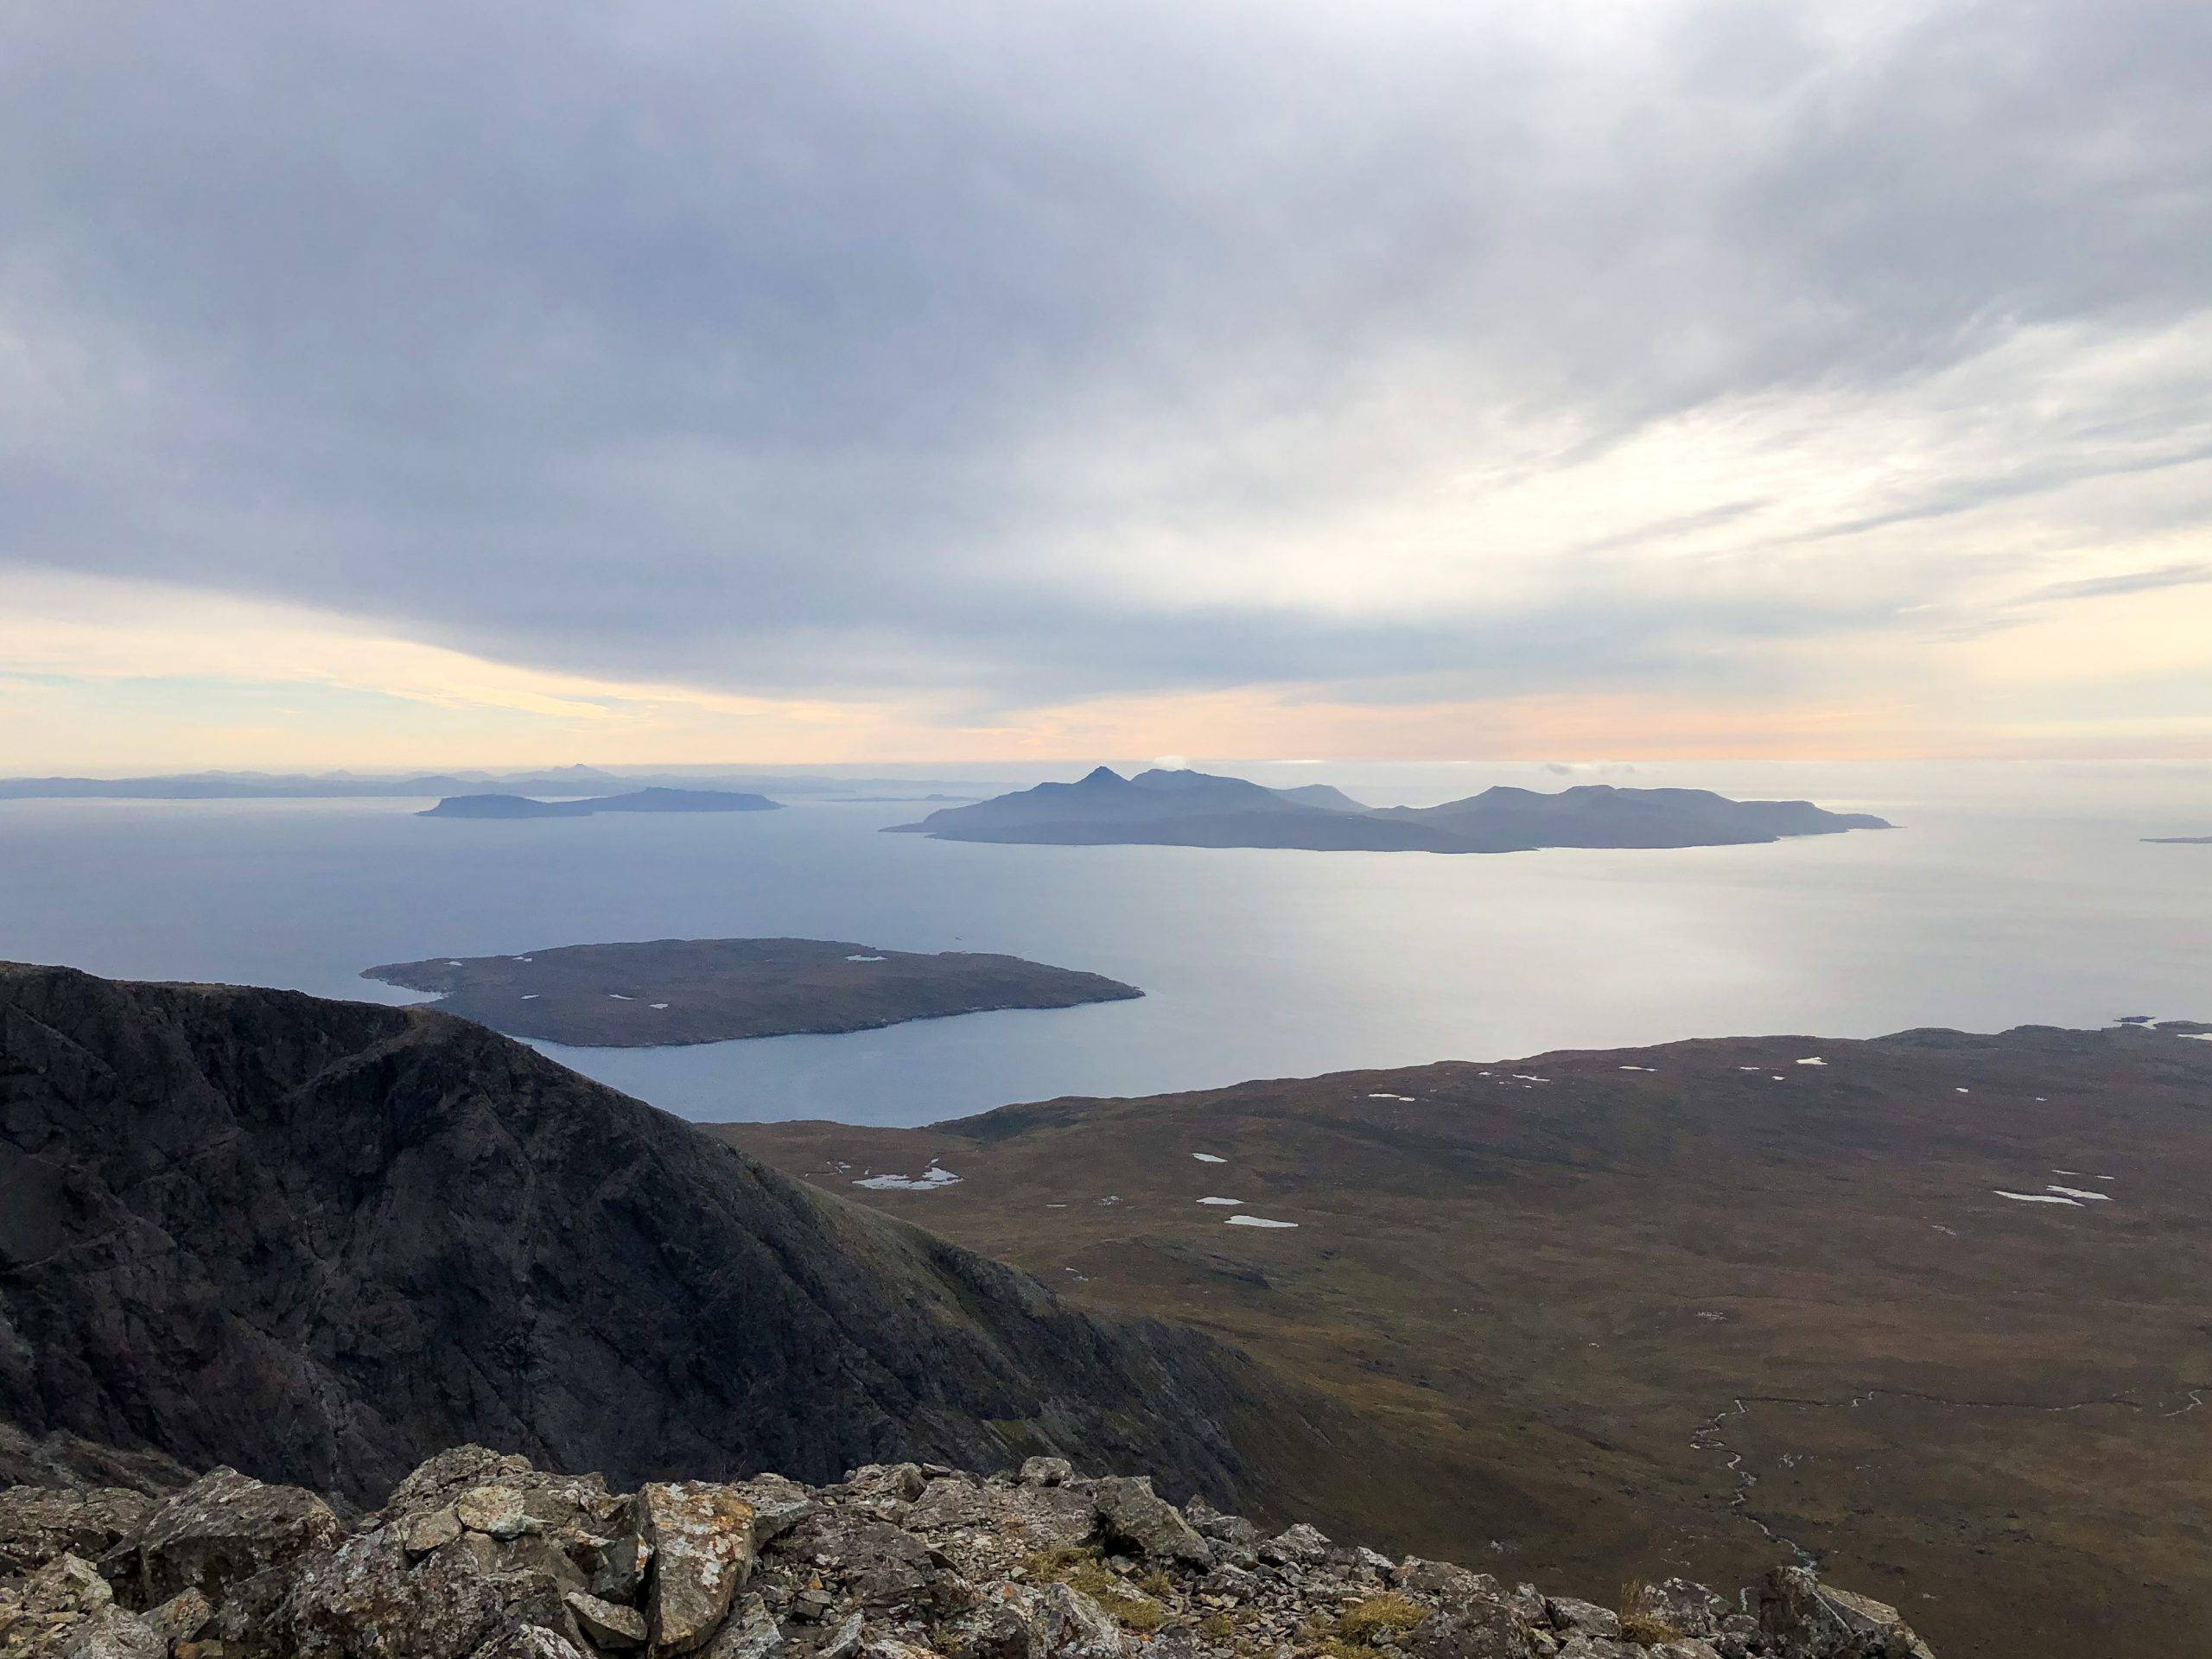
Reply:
x=564, y=781
x=2179, y=841
x=642, y=800
x=672, y=991
x=1193, y=809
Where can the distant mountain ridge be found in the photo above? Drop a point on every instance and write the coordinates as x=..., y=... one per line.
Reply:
x=642, y=800
x=1191, y=809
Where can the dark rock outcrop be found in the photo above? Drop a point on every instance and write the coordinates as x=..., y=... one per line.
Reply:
x=893, y=1562
x=317, y=1241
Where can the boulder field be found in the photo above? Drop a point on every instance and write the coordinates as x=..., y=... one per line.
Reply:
x=480, y=1555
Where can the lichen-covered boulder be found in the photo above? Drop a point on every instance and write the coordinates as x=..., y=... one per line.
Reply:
x=1137, y=1519
x=1803, y=1618
x=226, y=1527
x=702, y=1538
x=1470, y=1616
x=38, y=1524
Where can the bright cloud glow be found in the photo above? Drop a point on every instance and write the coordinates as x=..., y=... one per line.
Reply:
x=843, y=382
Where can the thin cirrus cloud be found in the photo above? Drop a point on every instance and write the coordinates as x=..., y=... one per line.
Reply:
x=986, y=362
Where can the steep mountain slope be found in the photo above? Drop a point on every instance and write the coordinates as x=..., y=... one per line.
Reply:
x=319, y=1241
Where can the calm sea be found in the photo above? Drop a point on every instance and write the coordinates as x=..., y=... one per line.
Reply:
x=2012, y=894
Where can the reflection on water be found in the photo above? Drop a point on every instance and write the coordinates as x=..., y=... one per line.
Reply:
x=2013, y=895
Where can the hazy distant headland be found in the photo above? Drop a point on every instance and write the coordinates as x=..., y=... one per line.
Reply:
x=2179, y=841
x=642, y=800
x=567, y=781
x=668, y=991
x=1194, y=809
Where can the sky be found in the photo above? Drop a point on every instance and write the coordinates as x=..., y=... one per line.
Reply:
x=467, y=384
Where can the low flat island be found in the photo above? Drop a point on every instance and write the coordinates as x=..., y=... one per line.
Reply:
x=664, y=992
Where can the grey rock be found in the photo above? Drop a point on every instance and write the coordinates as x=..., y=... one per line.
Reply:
x=1690, y=1608
x=496, y=1511
x=1803, y=1618
x=608, y=1623
x=1046, y=1472
x=899, y=1482
x=430, y=1529
x=1472, y=1618
x=180, y=1619
x=1302, y=1546
x=226, y=1527
x=778, y=1505
x=1003, y=1626
x=750, y=1633
x=1228, y=1580
x=845, y=1641
x=619, y=1574
x=1137, y=1518
x=1578, y=1618
x=528, y=1641
x=110, y=1633
x=1073, y=1626
x=37, y=1523
x=879, y=1563
x=702, y=1538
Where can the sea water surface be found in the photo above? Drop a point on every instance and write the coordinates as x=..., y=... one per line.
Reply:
x=2012, y=895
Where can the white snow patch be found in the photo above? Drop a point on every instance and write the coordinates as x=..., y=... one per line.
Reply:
x=2067, y=1171
x=530, y=996
x=2077, y=1192
x=864, y=958
x=2034, y=1197
x=1639, y=1068
x=1408, y=1099
x=2195, y=1036
x=660, y=1005
x=453, y=962
x=1814, y=1060
x=931, y=1177
x=1522, y=1077
x=619, y=997
x=1232, y=1203
x=1961, y=1091
x=1747, y=1068
x=1257, y=1221
x=1208, y=1158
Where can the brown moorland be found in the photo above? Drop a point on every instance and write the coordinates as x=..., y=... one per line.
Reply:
x=1689, y=1308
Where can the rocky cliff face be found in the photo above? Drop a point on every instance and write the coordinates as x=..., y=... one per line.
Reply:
x=321, y=1241
x=481, y=1556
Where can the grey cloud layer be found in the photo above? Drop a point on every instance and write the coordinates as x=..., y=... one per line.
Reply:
x=793, y=347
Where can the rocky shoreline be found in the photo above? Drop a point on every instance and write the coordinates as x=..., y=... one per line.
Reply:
x=478, y=1555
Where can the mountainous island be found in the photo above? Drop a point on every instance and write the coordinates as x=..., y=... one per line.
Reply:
x=2179, y=841
x=316, y=1313
x=641, y=800
x=1191, y=809
x=1929, y=1309
x=668, y=991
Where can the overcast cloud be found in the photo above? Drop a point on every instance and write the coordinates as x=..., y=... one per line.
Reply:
x=1015, y=355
